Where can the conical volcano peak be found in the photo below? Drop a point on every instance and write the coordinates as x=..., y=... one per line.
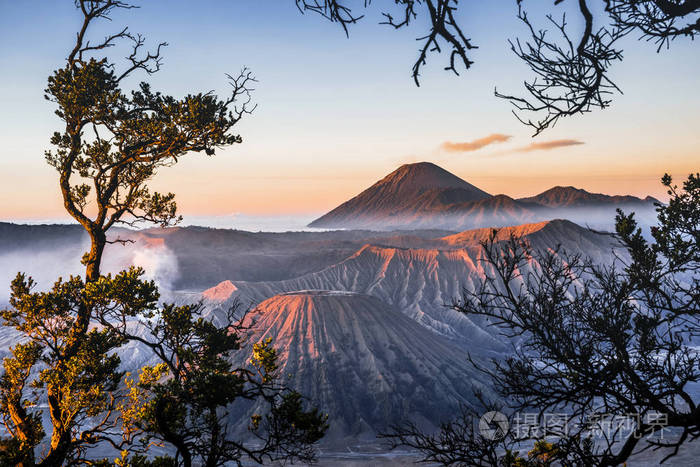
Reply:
x=362, y=360
x=411, y=190
x=421, y=176
x=425, y=196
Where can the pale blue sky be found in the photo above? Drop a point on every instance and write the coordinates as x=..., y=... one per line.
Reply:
x=335, y=114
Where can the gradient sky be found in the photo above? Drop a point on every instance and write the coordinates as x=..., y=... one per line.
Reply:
x=336, y=114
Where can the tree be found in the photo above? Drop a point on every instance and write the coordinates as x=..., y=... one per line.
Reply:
x=190, y=409
x=113, y=142
x=602, y=344
x=570, y=74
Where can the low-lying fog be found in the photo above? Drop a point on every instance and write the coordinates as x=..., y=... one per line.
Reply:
x=47, y=260
x=236, y=221
x=46, y=263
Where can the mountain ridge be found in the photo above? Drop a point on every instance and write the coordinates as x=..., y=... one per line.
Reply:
x=561, y=196
x=421, y=278
x=423, y=195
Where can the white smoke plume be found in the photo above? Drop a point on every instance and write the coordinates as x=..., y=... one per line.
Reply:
x=159, y=263
x=46, y=265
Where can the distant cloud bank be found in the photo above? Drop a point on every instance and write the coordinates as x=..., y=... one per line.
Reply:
x=469, y=146
x=547, y=145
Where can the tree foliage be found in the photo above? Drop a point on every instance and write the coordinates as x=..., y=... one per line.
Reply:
x=185, y=400
x=597, y=342
x=570, y=71
x=114, y=140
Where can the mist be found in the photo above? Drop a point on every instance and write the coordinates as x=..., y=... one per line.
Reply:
x=47, y=263
x=254, y=223
x=596, y=218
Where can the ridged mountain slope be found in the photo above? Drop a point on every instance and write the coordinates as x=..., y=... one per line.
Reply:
x=420, y=282
x=364, y=363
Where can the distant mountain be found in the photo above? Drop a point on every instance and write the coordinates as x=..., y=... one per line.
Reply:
x=14, y=237
x=194, y=258
x=423, y=196
x=410, y=190
x=568, y=196
x=496, y=211
x=363, y=362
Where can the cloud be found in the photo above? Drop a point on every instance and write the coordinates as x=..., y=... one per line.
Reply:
x=548, y=145
x=469, y=146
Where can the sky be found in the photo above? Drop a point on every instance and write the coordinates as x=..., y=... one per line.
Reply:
x=335, y=114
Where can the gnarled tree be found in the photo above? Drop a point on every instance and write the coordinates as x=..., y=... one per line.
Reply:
x=112, y=143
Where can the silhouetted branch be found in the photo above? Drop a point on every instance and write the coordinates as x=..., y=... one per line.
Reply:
x=444, y=28
x=150, y=63
x=657, y=20
x=121, y=241
x=92, y=10
x=570, y=76
x=333, y=10
x=458, y=442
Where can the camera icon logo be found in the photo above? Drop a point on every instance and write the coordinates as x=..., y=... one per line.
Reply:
x=493, y=425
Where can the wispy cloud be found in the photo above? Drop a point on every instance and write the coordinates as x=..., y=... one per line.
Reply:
x=469, y=146
x=548, y=145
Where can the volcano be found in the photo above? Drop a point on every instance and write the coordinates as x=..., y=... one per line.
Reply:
x=419, y=277
x=409, y=191
x=362, y=362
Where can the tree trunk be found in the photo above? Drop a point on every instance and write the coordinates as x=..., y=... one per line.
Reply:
x=19, y=417
x=60, y=437
x=215, y=428
x=93, y=260
x=170, y=436
x=57, y=455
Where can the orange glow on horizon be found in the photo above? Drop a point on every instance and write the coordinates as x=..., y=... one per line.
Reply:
x=224, y=186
